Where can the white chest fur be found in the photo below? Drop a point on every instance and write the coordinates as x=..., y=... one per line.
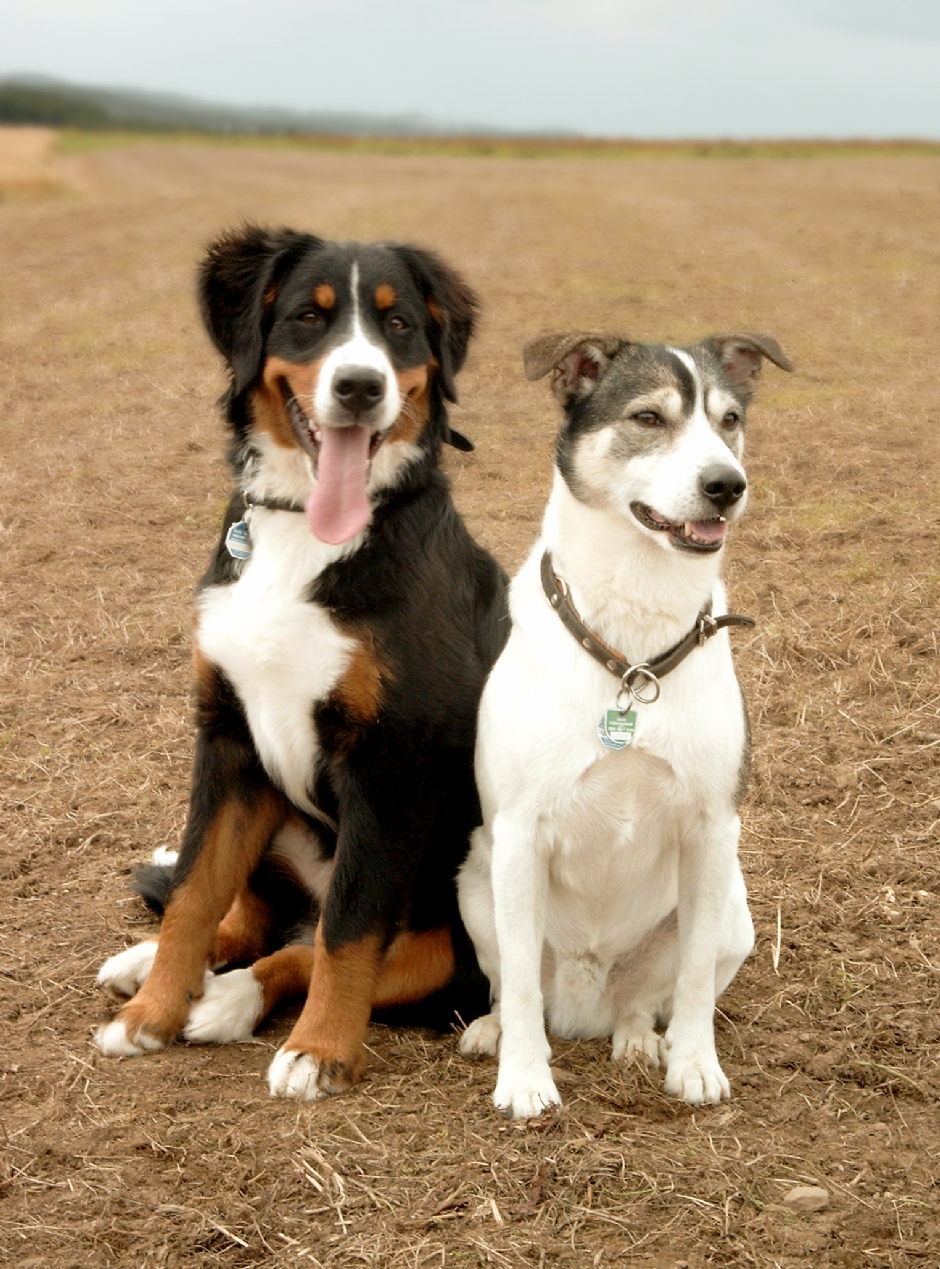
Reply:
x=281, y=653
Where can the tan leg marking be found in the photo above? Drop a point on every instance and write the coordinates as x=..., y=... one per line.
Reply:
x=243, y=933
x=332, y=1027
x=285, y=973
x=230, y=850
x=415, y=965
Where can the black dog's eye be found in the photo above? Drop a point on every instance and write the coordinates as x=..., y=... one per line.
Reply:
x=397, y=322
x=311, y=317
x=731, y=420
x=648, y=418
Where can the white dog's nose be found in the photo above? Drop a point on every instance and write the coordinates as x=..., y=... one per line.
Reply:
x=722, y=486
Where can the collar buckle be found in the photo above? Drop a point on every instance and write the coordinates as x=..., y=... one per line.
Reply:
x=705, y=627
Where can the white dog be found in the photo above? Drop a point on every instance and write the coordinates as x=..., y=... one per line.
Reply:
x=604, y=888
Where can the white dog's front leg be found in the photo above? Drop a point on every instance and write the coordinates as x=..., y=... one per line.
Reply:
x=520, y=885
x=707, y=871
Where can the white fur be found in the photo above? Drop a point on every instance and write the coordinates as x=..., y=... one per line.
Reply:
x=228, y=1010
x=125, y=971
x=281, y=652
x=164, y=857
x=299, y=848
x=572, y=883
x=358, y=351
x=113, y=1041
x=296, y=1075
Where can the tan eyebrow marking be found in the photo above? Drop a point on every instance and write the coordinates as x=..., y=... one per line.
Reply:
x=324, y=295
x=385, y=295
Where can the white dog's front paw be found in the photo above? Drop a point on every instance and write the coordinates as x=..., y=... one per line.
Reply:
x=696, y=1077
x=524, y=1092
x=635, y=1041
x=113, y=1041
x=297, y=1075
x=481, y=1038
x=125, y=972
x=228, y=1011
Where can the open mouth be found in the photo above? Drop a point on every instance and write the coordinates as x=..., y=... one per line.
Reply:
x=338, y=507
x=704, y=536
x=311, y=436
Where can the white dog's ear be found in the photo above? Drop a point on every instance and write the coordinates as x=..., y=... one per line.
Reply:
x=576, y=360
x=741, y=357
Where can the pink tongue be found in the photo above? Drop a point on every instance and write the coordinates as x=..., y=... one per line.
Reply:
x=709, y=530
x=338, y=508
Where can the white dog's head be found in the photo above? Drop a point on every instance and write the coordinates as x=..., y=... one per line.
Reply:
x=656, y=433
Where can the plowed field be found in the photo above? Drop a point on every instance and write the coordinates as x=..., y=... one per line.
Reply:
x=112, y=483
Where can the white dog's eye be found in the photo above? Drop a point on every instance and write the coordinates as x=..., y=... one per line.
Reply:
x=731, y=420
x=648, y=418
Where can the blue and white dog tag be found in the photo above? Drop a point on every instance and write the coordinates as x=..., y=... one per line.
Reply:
x=238, y=541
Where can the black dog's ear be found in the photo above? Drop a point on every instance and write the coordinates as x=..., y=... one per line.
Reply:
x=576, y=360
x=238, y=281
x=452, y=305
x=741, y=357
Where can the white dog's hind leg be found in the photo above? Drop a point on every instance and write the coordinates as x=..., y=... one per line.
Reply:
x=475, y=896
x=739, y=934
x=520, y=886
x=481, y=1038
x=643, y=984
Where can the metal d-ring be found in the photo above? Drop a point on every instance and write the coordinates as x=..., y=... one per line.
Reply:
x=644, y=693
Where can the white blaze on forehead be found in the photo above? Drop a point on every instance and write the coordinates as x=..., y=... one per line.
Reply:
x=668, y=476
x=692, y=368
x=356, y=352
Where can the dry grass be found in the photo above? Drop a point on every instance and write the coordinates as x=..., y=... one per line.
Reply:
x=27, y=163
x=111, y=491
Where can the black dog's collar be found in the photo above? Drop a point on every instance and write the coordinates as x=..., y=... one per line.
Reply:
x=270, y=504
x=633, y=678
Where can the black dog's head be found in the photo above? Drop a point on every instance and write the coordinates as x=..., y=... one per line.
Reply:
x=336, y=348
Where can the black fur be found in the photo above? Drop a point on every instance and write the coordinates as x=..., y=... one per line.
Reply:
x=419, y=591
x=245, y=296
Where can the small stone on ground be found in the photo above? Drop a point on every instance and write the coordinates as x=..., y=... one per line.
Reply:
x=807, y=1198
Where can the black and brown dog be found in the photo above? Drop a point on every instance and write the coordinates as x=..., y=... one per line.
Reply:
x=343, y=634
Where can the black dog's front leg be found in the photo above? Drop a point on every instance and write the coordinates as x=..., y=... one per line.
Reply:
x=385, y=814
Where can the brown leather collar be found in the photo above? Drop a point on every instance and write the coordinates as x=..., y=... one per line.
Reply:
x=633, y=678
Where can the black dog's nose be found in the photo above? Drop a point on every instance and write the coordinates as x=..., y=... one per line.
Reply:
x=358, y=388
x=722, y=485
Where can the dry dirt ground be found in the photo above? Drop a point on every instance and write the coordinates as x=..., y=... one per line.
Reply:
x=112, y=488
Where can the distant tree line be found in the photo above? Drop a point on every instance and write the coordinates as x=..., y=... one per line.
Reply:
x=20, y=104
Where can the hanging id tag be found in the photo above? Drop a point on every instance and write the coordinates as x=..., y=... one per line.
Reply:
x=238, y=541
x=616, y=728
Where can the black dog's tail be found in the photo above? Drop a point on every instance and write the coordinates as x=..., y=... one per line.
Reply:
x=152, y=882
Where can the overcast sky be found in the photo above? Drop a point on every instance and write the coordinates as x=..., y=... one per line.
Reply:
x=647, y=68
